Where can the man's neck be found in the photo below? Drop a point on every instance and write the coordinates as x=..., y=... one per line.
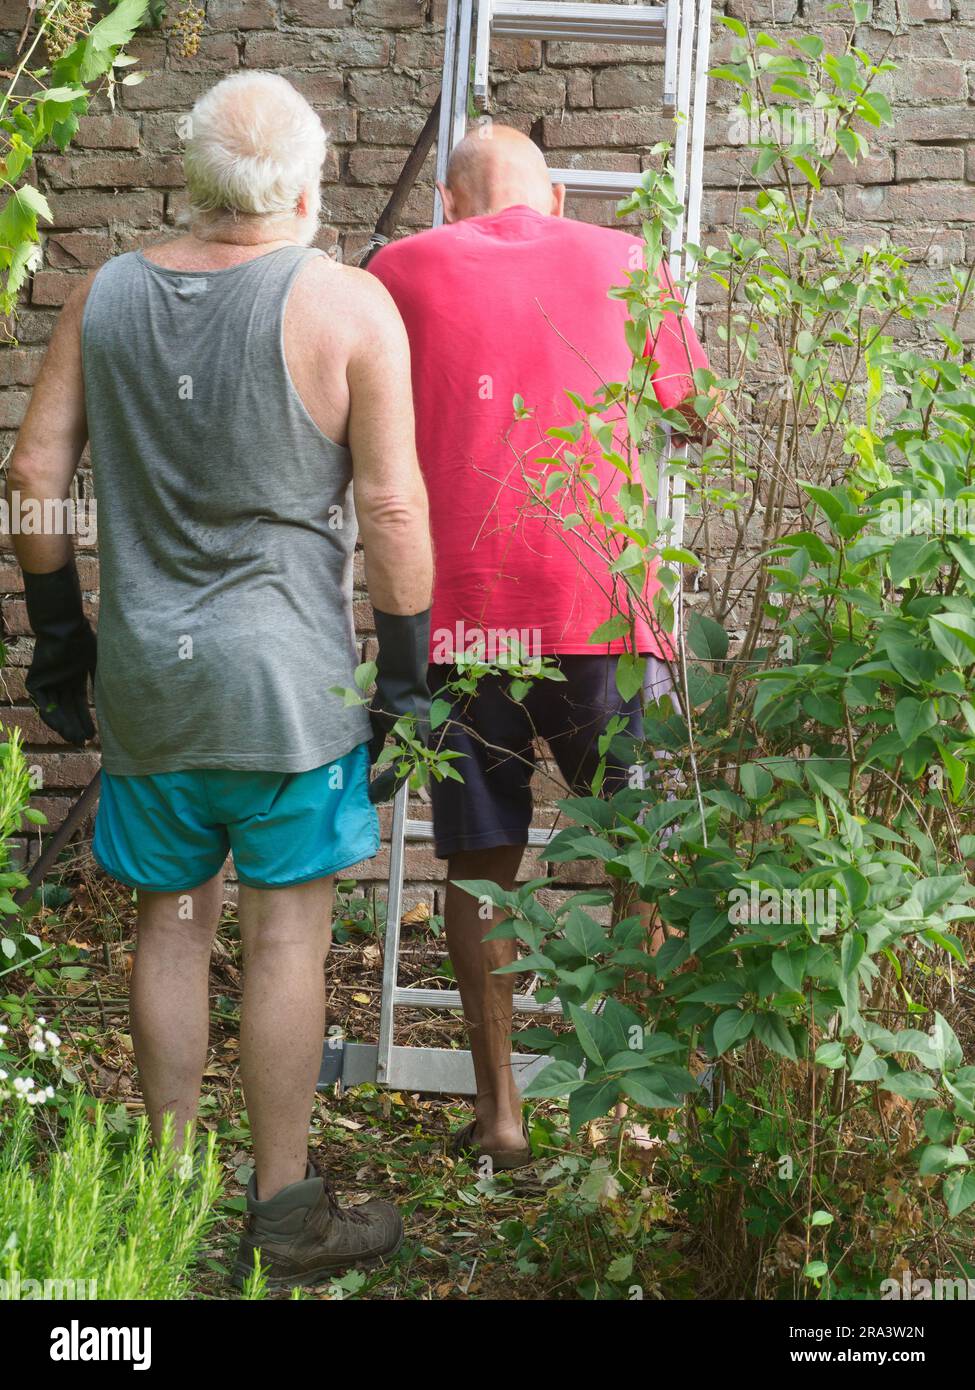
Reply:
x=195, y=253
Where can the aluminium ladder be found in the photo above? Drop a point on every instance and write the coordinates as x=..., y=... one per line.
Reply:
x=682, y=28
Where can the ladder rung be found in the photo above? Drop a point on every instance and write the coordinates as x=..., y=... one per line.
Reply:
x=550, y=19
x=447, y=1070
x=450, y=999
x=543, y=19
x=423, y=830
x=597, y=183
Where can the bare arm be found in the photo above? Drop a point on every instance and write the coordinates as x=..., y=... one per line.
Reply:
x=51, y=439
x=390, y=498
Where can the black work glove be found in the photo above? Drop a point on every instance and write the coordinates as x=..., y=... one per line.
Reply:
x=64, y=652
x=401, y=687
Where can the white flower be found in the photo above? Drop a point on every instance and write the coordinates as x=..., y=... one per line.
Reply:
x=49, y=1092
x=3, y=1029
x=41, y=1022
x=38, y=1046
x=21, y=1086
x=3, y=1074
x=52, y=1039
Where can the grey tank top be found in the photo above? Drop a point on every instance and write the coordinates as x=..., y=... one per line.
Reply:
x=225, y=522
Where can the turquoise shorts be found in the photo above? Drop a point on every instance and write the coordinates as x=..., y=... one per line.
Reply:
x=171, y=831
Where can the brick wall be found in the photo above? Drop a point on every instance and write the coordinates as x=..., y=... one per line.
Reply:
x=372, y=70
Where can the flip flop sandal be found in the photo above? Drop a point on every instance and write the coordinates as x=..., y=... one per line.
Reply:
x=462, y=1142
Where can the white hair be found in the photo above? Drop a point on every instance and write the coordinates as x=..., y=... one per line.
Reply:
x=255, y=146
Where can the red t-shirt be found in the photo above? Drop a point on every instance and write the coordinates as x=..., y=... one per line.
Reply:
x=517, y=304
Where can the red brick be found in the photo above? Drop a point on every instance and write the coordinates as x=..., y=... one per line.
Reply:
x=929, y=81
x=111, y=171
x=934, y=123
x=240, y=14
x=15, y=611
x=68, y=770
x=597, y=55
x=532, y=91
x=19, y=366
x=627, y=86
x=376, y=164
x=13, y=404
x=390, y=14
x=30, y=326
x=926, y=11
x=389, y=127
x=906, y=202
x=53, y=286
x=876, y=168
x=75, y=250
x=319, y=88
x=107, y=133
x=103, y=209
x=579, y=89
x=929, y=162
x=31, y=725
x=282, y=51
x=216, y=56
x=14, y=686
x=166, y=91
x=317, y=14
x=372, y=90
x=576, y=131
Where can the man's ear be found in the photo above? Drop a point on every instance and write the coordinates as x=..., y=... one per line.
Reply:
x=558, y=199
x=449, y=206
x=303, y=204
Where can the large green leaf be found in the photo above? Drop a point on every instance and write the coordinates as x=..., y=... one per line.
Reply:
x=958, y=1190
x=954, y=636
x=706, y=638
x=731, y=1028
x=557, y=1079
x=914, y=717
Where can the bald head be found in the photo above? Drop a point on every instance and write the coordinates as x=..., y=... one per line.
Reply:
x=496, y=167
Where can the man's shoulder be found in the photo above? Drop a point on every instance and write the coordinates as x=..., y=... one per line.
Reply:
x=329, y=283
x=592, y=237
x=405, y=254
x=342, y=301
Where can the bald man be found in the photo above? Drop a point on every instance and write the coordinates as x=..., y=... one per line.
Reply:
x=510, y=298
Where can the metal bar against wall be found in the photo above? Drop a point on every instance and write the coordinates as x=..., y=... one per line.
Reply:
x=554, y=19
x=695, y=192
x=670, y=56
x=446, y=105
x=394, y=912
x=482, y=54
x=463, y=69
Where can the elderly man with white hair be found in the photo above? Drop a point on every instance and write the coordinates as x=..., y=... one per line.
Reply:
x=237, y=387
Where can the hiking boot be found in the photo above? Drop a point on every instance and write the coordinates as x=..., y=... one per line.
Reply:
x=304, y=1236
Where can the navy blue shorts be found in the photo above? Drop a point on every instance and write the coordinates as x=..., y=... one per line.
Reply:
x=496, y=734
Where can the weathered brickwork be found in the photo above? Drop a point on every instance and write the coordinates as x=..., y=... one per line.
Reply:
x=372, y=69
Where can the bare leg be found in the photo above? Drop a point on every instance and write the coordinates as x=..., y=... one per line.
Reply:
x=286, y=933
x=169, y=999
x=486, y=997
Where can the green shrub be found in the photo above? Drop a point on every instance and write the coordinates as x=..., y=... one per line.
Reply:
x=799, y=825
x=88, y=1221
